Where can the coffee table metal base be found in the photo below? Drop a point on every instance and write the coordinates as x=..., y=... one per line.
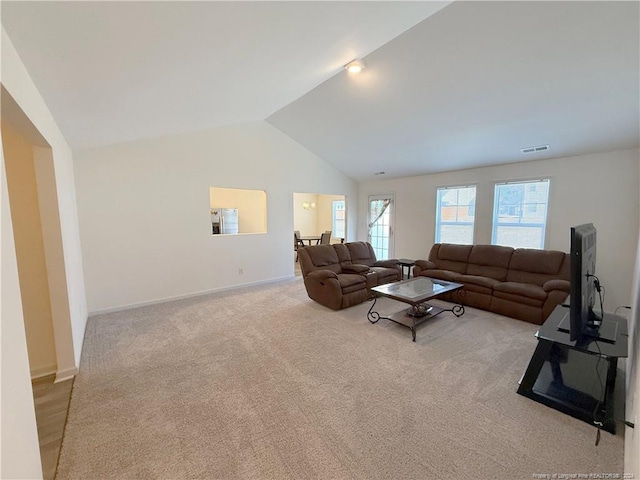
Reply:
x=411, y=321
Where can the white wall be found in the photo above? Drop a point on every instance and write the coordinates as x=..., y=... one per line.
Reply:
x=20, y=457
x=632, y=435
x=306, y=221
x=599, y=188
x=144, y=212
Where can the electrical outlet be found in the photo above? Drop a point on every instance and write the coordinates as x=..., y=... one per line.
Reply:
x=241, y=271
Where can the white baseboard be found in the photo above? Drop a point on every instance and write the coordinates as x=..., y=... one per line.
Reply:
x=191, y=295
x=45, y=371
x=66, y=374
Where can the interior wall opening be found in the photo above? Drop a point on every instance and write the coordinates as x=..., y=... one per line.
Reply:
x=30, y=251
x=35, y=216
x=317, y=213
x=237, y=211
x=35, y=219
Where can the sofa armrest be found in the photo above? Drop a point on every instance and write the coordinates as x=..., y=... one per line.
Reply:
x=355, y=268
x=421, y=265
x=557, y=284
x=321, y=275
x=425, y=264
x=323, y=287
x=393, y=263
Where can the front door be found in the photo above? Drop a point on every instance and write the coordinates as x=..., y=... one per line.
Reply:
x=380, y=223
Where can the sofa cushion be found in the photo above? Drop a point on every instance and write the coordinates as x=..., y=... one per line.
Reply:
x=489, y=261
x=361, y=252
x=477, y=284
x=537, y=266
x=393, y=263
x=522, y=289
x=355, y=268
x=386, y=275
x=344, y=257
x=441, y=274
x=450, y=257
x=537, y=261
x=350, y=282
x=324, y=257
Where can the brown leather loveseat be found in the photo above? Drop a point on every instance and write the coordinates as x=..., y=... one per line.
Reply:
x=339, y=276
x=523, y=283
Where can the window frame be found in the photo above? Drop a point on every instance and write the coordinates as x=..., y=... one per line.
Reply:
x=333, y=218
x=522, y=209
x=438, y=221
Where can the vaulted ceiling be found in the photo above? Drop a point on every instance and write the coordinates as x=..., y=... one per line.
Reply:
x=118, y=71
x=446, y=85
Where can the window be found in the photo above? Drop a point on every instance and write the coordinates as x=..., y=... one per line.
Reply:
x=338, y=219
x=520, y=214
x=455, y=214
x=381, y=225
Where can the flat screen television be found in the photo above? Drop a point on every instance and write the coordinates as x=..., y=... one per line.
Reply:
x=583, y=269
x=584, y=322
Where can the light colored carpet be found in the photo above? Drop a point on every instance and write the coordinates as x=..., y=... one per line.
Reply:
x=264, y=383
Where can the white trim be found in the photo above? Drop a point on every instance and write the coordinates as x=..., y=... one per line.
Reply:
x=43, y=371
x=454, y=185
x=517, y=182
x=190, y=295
x=66, y=374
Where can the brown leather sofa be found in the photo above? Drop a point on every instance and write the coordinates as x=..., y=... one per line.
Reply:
x=339, y=276
x=522, y=283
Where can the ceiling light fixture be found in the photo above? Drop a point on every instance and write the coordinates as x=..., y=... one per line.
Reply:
x=354, y=66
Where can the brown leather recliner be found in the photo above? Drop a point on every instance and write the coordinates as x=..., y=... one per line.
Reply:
x=339, y=276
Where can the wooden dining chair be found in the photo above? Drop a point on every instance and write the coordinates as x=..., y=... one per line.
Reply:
x=325, y=238
x=297, y=242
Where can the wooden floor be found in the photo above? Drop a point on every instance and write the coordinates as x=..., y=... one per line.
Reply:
x=51, y=404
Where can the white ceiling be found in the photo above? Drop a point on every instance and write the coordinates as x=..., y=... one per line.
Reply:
x=476, y=82
x=118, y=71
x=468, y=84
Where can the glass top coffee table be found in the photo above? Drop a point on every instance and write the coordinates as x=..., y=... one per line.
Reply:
x=415, y=292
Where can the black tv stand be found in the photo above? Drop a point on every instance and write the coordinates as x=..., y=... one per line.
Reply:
x=607, y=331
x=563, y=374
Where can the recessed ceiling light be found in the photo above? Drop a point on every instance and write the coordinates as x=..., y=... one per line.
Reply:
x=354, y=66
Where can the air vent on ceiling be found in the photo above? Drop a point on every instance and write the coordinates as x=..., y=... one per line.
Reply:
x=539, y=148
